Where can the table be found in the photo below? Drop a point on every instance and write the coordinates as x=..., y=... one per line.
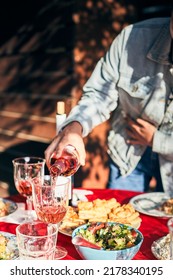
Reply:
x=151, y=227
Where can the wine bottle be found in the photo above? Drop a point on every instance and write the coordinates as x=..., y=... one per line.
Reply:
x=60, y=118
x=67, y=164
x=60, y=115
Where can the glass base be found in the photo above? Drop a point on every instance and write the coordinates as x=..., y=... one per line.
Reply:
x=60, y=253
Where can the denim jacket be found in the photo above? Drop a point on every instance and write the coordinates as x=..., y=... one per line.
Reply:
x=135, y=77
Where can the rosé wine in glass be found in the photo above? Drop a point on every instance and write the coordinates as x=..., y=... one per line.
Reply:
x=28, y=171
x=51, y=203
x=24, y=187
x=51, y=214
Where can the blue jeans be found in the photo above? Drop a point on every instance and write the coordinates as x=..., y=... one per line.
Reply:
x=139, y=179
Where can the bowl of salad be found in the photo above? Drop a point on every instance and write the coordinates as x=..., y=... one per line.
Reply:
x=107, y=241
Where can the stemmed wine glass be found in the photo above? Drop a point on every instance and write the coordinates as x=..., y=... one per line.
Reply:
x=28, y=171
x=50, y=203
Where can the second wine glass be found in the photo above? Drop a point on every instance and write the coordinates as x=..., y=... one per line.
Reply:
x=28, y=171
x=50, y=203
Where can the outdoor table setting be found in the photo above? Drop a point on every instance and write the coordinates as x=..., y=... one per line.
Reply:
x=99, y=224
x=153, y=226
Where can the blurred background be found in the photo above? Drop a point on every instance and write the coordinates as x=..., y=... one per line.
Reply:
x=48, y=49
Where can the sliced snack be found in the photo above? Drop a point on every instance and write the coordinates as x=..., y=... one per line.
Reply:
x=99, y=210
x=125, y=214
x=70, y=221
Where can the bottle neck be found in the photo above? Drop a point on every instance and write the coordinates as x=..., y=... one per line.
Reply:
x=58, y=167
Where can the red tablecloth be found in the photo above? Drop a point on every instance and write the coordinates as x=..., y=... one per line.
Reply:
x=151, y=227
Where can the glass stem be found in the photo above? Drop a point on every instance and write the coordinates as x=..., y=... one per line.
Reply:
x=29, y=206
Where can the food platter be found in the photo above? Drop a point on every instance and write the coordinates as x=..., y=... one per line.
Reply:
x=10, y=206
x=149, y=204
x=160, y=248
x=99, y=210
x=11, y=252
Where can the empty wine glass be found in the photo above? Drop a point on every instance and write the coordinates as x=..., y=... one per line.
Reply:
x=28, y=171
x=51, y=203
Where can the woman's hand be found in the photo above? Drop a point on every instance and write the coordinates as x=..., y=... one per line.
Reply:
x=71, y=134
x=140, y=132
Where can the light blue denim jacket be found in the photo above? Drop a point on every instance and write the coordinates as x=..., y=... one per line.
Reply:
x=134, y=77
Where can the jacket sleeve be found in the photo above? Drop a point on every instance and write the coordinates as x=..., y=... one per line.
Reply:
x=162, y=144
x=100, y=95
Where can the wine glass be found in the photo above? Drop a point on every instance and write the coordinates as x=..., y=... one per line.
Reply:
x=50, y=203
x=28, y=171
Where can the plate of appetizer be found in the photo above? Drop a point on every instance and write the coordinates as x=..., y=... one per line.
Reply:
x=8, y=246
x=99, y=210
x=161, y=248
x=7, y=207
x=155, y=204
